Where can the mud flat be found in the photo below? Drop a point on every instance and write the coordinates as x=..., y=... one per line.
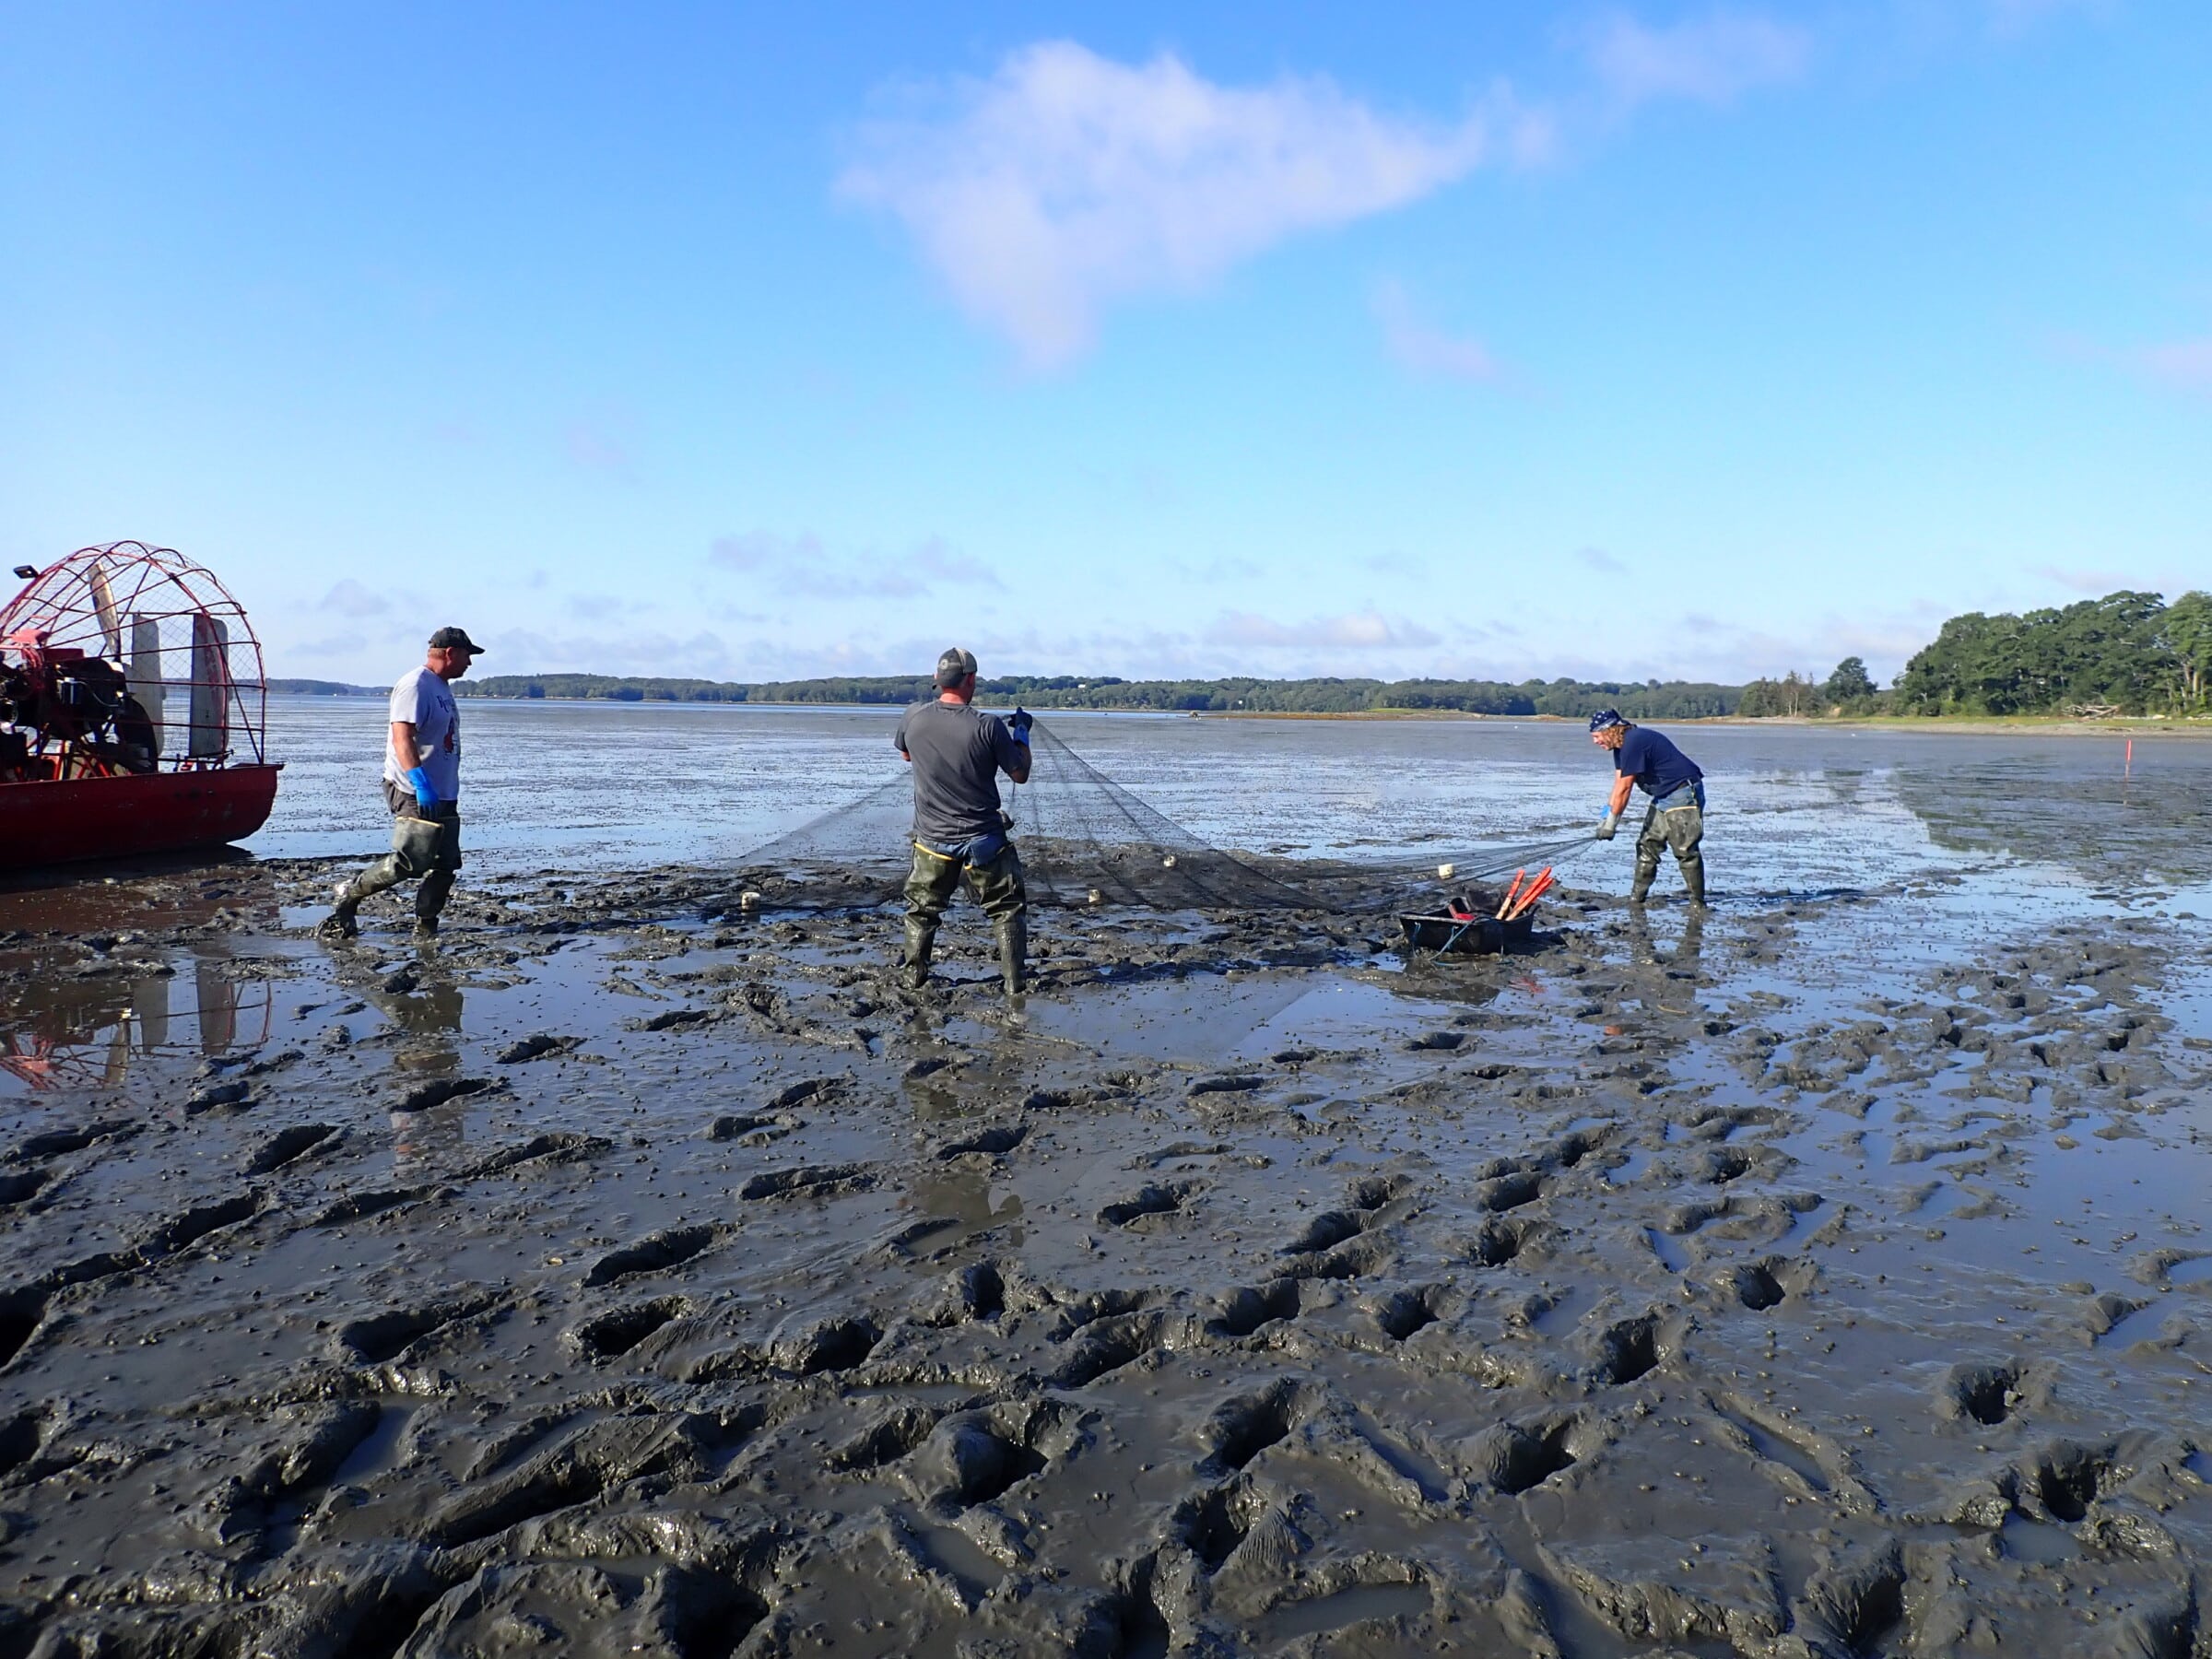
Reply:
x=629, y=1274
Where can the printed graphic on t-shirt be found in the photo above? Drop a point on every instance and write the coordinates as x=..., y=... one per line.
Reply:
x=423, y=701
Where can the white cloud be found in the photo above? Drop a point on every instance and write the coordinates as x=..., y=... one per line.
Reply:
x=1427, y=350
x=763, y=550
x=1356, y=630
x=805, y=565
x=600, y=445
x=1603, y=562
x=939, y=562
x=1701, y=647
x=335, y=648
x=604, y=608
x=349, y=598
x=701, y=655
x=1067, y=181
x=2096, y=584
x=1402, y=565
x=2184, y=364
x=1711, y=59
x=2015, y=17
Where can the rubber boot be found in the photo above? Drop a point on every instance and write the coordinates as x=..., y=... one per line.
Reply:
x=1640, y=889
x=1693, y=877
x=921, y=936
x=344, y=922
x=1013, y=953
x=429, y=902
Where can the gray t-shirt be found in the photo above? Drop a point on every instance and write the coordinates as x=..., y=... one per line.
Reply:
x=958, y=753
x=425, y=701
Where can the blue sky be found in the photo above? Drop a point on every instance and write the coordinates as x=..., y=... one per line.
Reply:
x=1647, y=340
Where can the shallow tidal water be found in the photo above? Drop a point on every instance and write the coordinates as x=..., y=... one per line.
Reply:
x=1829, y=1274
x=1793, y=809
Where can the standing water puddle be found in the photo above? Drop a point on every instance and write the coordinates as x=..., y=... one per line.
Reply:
x=1356, y=1606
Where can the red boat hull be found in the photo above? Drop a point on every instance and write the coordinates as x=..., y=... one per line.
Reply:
x=124, y=817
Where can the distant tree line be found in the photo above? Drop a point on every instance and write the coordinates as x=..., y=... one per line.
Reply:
x=2127, y=653
x=319, y=687
x=1640, y=699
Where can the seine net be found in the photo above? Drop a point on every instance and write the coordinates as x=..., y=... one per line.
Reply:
x=1086, y=841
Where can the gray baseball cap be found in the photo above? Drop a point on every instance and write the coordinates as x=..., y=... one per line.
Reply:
x=955, y=666
x=456, y=638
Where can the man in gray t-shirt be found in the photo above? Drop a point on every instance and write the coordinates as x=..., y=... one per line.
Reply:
x=958, y=751
x=422, y=787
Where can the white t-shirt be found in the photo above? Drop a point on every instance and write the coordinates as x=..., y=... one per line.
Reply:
x=426, y=703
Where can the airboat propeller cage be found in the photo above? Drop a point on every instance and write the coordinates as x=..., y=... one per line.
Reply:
x=187, y=652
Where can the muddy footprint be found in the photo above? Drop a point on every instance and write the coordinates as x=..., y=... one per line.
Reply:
x=1153, y=1207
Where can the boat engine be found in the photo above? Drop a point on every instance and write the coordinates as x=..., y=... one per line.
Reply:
x=72, y=714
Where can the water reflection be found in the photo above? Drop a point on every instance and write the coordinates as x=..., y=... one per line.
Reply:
x=421, y=1139
x=2081, y=808
x=960, y=1198
x=425, y=1003
x=59, y=1032
x=1648, y=948
x=952, y=1200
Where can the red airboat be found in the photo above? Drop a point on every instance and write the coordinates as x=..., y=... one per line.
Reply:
x=132, y=710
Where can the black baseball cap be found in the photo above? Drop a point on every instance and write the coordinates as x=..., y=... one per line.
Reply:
x=456, y=638
x=953, y=666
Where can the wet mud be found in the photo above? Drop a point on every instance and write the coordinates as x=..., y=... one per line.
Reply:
x=628, y=1272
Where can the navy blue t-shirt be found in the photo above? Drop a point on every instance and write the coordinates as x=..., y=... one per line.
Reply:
x=1658, y=767
x=957, y=750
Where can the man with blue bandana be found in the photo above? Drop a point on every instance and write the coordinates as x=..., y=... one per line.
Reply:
x=1647, y=760
x=958, y=751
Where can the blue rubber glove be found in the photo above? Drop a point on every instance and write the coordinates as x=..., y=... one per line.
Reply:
x=420, y=781
x=1020, y=725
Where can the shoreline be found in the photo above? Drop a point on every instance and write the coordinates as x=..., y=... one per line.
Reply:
x=1955, y=725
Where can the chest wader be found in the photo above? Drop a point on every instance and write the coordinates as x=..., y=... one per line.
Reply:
x=996, y=884
x=1680, y=827
x=426, y=844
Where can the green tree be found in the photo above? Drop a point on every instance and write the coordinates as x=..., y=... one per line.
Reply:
x=2109, y=652
x=1792, y=694
x=1850, y=683
x=2188, y=636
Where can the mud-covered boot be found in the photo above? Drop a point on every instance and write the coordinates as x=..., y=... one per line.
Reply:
x=429, y=902
x=1014, y=952
x=343, y=921
x=914, y=967
x=1640, y=889
x=1693, y=877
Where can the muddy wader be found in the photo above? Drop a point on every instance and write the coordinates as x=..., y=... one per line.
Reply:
x=1677, y=821
x=994, y=871
x=425, y=842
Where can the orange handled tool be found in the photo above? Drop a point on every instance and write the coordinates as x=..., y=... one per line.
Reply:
x=1506, y=901
x=1536, y=890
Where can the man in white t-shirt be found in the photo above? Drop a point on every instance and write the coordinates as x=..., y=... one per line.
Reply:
x=422, y=787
